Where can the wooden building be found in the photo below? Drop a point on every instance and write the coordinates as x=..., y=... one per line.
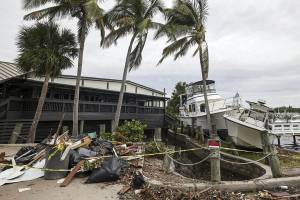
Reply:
x=19, y=93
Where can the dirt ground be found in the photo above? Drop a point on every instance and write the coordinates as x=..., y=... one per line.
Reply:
x=41, y=189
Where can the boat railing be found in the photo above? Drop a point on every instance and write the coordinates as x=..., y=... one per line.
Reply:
x=285, y=128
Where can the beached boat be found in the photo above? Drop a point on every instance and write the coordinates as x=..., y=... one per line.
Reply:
x=192, y=106
x=246, y=128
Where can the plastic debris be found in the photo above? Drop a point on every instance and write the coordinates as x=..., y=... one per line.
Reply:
x=24, y=189
x=110, y=171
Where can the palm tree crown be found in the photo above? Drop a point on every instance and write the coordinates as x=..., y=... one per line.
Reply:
x=87, y=12
x=44, y=49
x=132, y=17
x=185, y=27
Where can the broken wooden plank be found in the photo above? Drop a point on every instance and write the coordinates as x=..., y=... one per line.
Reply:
x=70, y=176
x=2, y=156
x=125, y=189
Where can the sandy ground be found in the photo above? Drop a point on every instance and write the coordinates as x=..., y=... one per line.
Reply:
x=41, y=189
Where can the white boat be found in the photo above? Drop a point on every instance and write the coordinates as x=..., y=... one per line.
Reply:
x=246, y=128
x=192, y=106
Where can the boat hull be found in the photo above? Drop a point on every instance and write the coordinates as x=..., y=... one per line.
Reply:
x=243, y=134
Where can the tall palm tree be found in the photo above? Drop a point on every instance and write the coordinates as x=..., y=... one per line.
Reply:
x=131, y=17
x=87, y=13
x=45, y=51
x=185, y=27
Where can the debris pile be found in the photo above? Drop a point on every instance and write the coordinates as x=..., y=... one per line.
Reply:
x=151, y=192
x=64, y=157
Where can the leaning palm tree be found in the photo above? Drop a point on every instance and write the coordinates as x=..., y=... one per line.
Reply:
x=87, y=12
x=45, y=51
x=185, y=27
x=131, y=17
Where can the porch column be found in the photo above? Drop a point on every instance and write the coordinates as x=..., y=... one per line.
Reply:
x=102, y=128
x=81, y=126
x=16, y=132
x=157, y=134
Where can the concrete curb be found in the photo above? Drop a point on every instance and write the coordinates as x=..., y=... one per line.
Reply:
x=232, y=186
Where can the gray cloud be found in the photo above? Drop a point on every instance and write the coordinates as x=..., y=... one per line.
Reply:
x=254, y=49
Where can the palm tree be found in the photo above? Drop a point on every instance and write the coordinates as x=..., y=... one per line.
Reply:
x=45, y=51
x=87, y=12
x=131, y=17
x=185, y=27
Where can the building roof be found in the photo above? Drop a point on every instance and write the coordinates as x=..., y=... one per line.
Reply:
x=8, y=71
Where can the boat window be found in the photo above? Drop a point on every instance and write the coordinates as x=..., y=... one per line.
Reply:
x=286, y=125
x=202, y=108
x=277, y=126
x=192, y=108
x=295, y=125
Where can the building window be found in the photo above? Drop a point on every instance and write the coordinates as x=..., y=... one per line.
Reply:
x=202, y=108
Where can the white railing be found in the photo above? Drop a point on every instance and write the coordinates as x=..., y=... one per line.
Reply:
x=286, y=128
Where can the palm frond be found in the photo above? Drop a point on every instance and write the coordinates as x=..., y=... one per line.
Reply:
x=136, y=54
x=173, y=48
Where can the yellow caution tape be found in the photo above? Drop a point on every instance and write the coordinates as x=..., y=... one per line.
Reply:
x=137, y=155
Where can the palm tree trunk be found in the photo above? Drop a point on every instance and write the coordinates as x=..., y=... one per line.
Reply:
x=121, y=95
x=208, y=117
x=215, y=153
x=78, y=79
x=39, y=109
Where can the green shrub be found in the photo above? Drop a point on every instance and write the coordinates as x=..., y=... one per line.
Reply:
x=106, y=136
x=130, y=131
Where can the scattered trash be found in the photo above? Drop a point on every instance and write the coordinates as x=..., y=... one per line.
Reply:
x=54, y=162
x=60, y=157
x=60, y=181
x=125, y=189
x=110, y=171
x=70, y=176
x=24, y=189
x=2, y=156
x=284, y=187
x=138, y=180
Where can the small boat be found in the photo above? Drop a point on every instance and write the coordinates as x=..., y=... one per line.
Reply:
x=192, y=106
x=245, y=127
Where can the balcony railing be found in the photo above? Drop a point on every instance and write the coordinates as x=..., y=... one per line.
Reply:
x=29, y=105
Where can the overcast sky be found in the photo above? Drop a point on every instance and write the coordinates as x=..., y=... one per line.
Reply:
x=254, y=49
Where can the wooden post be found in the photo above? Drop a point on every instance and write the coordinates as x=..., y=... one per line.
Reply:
x=81, y=126
x=16, y=132
x=200, y=136
x=278, y=140
x=273, y=158
x=181, y=127
x=193, y=127
x=294, y=139
x=215, y=168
